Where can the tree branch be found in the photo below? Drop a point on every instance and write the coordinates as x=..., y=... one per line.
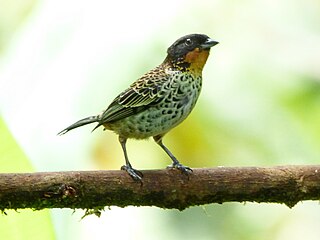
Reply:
x=161, y=188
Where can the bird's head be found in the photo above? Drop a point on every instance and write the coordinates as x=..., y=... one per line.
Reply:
x=190, y=52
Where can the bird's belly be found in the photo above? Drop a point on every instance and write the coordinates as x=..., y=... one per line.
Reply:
x=155, y=120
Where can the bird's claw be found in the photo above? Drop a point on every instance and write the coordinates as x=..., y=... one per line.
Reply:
x=184, y=169
x=136, y=175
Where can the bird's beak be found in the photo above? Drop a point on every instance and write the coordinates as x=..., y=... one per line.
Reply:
x=209, y=43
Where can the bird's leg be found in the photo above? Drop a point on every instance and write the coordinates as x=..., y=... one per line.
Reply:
x=135, y=174
x=175, y=163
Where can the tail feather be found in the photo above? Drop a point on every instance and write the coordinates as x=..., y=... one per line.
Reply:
x=80, y=123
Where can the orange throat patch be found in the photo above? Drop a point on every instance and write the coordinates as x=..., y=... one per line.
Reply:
x=197, y=59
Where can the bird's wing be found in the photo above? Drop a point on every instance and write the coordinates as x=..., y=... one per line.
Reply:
x=139, y=96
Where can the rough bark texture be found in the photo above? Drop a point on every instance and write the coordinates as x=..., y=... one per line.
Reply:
x=161, y=188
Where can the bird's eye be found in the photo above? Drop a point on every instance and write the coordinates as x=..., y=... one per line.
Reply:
x=188, y=42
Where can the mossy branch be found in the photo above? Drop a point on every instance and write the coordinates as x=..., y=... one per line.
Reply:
x=161, y=188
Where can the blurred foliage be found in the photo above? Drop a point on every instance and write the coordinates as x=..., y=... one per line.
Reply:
x=303, y=104
x=12, y=158
x=22, y=224
x=12, y=15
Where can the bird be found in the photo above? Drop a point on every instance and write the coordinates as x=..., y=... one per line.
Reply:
x=158, y=101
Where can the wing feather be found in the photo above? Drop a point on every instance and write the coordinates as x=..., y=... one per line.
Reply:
x=143, y=93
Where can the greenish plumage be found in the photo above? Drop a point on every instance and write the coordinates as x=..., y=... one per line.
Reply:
x=159, y=100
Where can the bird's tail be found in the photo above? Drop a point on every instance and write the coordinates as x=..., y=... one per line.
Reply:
x=80, y=123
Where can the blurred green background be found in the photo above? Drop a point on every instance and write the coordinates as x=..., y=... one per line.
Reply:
x=260, y=106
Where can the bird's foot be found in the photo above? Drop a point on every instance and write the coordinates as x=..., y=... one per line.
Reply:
x=184, y=169
x=136, y=175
